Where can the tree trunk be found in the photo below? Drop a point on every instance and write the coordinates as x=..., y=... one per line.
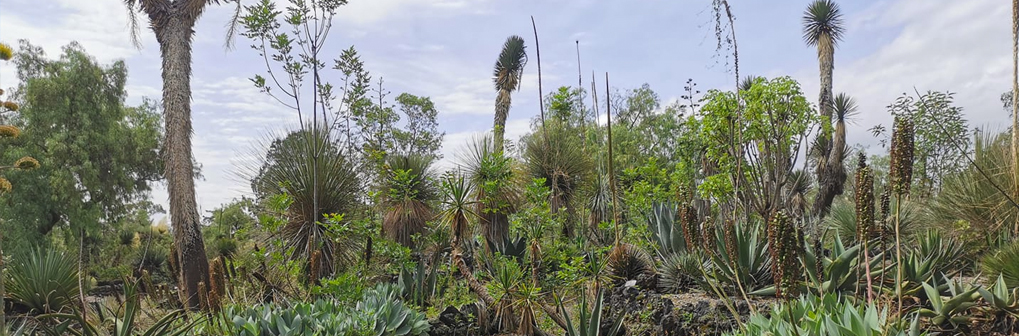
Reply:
x=502, y=106
x=830, y=173
x=175, y=46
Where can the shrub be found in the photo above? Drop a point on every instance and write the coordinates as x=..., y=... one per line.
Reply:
x=681, y=271
x=45, y=281
x=627, y=262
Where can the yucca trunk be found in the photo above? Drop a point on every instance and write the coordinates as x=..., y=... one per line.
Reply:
x=175, y=46
x=502, y=107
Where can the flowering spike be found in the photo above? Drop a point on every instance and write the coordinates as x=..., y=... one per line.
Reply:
x=26, y=163
x=8, y=131
x=5, y=186
x=6, y=52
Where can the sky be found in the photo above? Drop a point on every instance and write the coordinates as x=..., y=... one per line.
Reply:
x=445, y=49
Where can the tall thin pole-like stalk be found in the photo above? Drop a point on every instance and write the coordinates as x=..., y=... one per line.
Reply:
x=1015, y=102
x=612, y=175
x=3, y=290
x=898, y=254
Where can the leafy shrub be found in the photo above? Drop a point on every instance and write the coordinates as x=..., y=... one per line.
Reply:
x=45, y=281
x=122, y=321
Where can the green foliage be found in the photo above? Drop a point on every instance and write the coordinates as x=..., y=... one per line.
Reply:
x=45, y=281
x=627, y=262
x=972, y=194
x=421, y=136
x=121, y=321
x=682, y=271
x=379, y=313
x=1004, y=261
x=832, y=315
x=555, y=154
x=912, y=220
x=842, y=269
x=408, y=191
x=588, y=323
x=419, y=284
x=667, y=235
x=741, y=257
x=950, y=311
x=942, y=136
x=1000, y=297
x=97, y=156
x=289, y=168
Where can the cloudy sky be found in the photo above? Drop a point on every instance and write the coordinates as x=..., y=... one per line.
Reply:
x=444, y=49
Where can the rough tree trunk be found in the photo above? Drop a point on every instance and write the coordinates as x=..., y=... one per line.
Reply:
x=502, y=106
x=175, y=46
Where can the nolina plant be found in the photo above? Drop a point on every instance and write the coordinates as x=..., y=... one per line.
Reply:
x=901, y=177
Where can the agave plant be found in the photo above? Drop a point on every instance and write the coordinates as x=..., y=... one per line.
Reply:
x=419, y=285
x=950, y=312
x=589, y=322
x=842, y=219
x=741, y=257
x=121, y=321
x=408, y=191
x=841, y=270
x=667, y=236
x=45, y=281
x=1001, y=298
x=947, y=254
x=831, y=315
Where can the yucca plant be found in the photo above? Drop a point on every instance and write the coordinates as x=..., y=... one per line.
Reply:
x=1004, y=261
x=495, y=194
x=292, y=167
x=681, y=271
x=45, y=281
x=408, y=190
x=509, y=68
x=589, y=322
x=556, y=155
x=17, y=329
x=741, y=257
x=627, y=262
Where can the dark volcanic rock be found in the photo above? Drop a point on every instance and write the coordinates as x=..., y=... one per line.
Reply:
x=653, y=314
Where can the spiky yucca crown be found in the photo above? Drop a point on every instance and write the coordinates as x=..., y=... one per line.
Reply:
x=902, y=156
x=864, y=199
x=784, y=244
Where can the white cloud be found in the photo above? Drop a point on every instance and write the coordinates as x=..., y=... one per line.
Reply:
x=958, y=46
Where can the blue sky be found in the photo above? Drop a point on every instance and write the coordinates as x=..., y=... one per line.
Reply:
x=445, y=49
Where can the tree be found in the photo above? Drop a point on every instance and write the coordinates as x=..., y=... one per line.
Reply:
x=942, y=137
x=408, y=191
x=99, y=157
x=776, y=120
x=509, y=68
x=421, y=135
x=173, y=23
x=8, y=132
x=823, y=28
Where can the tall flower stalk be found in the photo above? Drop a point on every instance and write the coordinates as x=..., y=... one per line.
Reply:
x=865, y=215
x=901, y=177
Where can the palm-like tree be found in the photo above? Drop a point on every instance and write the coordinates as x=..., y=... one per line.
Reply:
x=823, y=28
x=408, y=188
x=173, y=22
x=508, y=70
x=558, y=157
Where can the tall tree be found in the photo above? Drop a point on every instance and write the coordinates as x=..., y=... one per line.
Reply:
x=508, y=70
x=420, y=135
x=823, y=28
x=173, y=23
x=99, y=156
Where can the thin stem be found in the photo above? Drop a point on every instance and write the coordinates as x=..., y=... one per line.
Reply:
x=898, y=254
